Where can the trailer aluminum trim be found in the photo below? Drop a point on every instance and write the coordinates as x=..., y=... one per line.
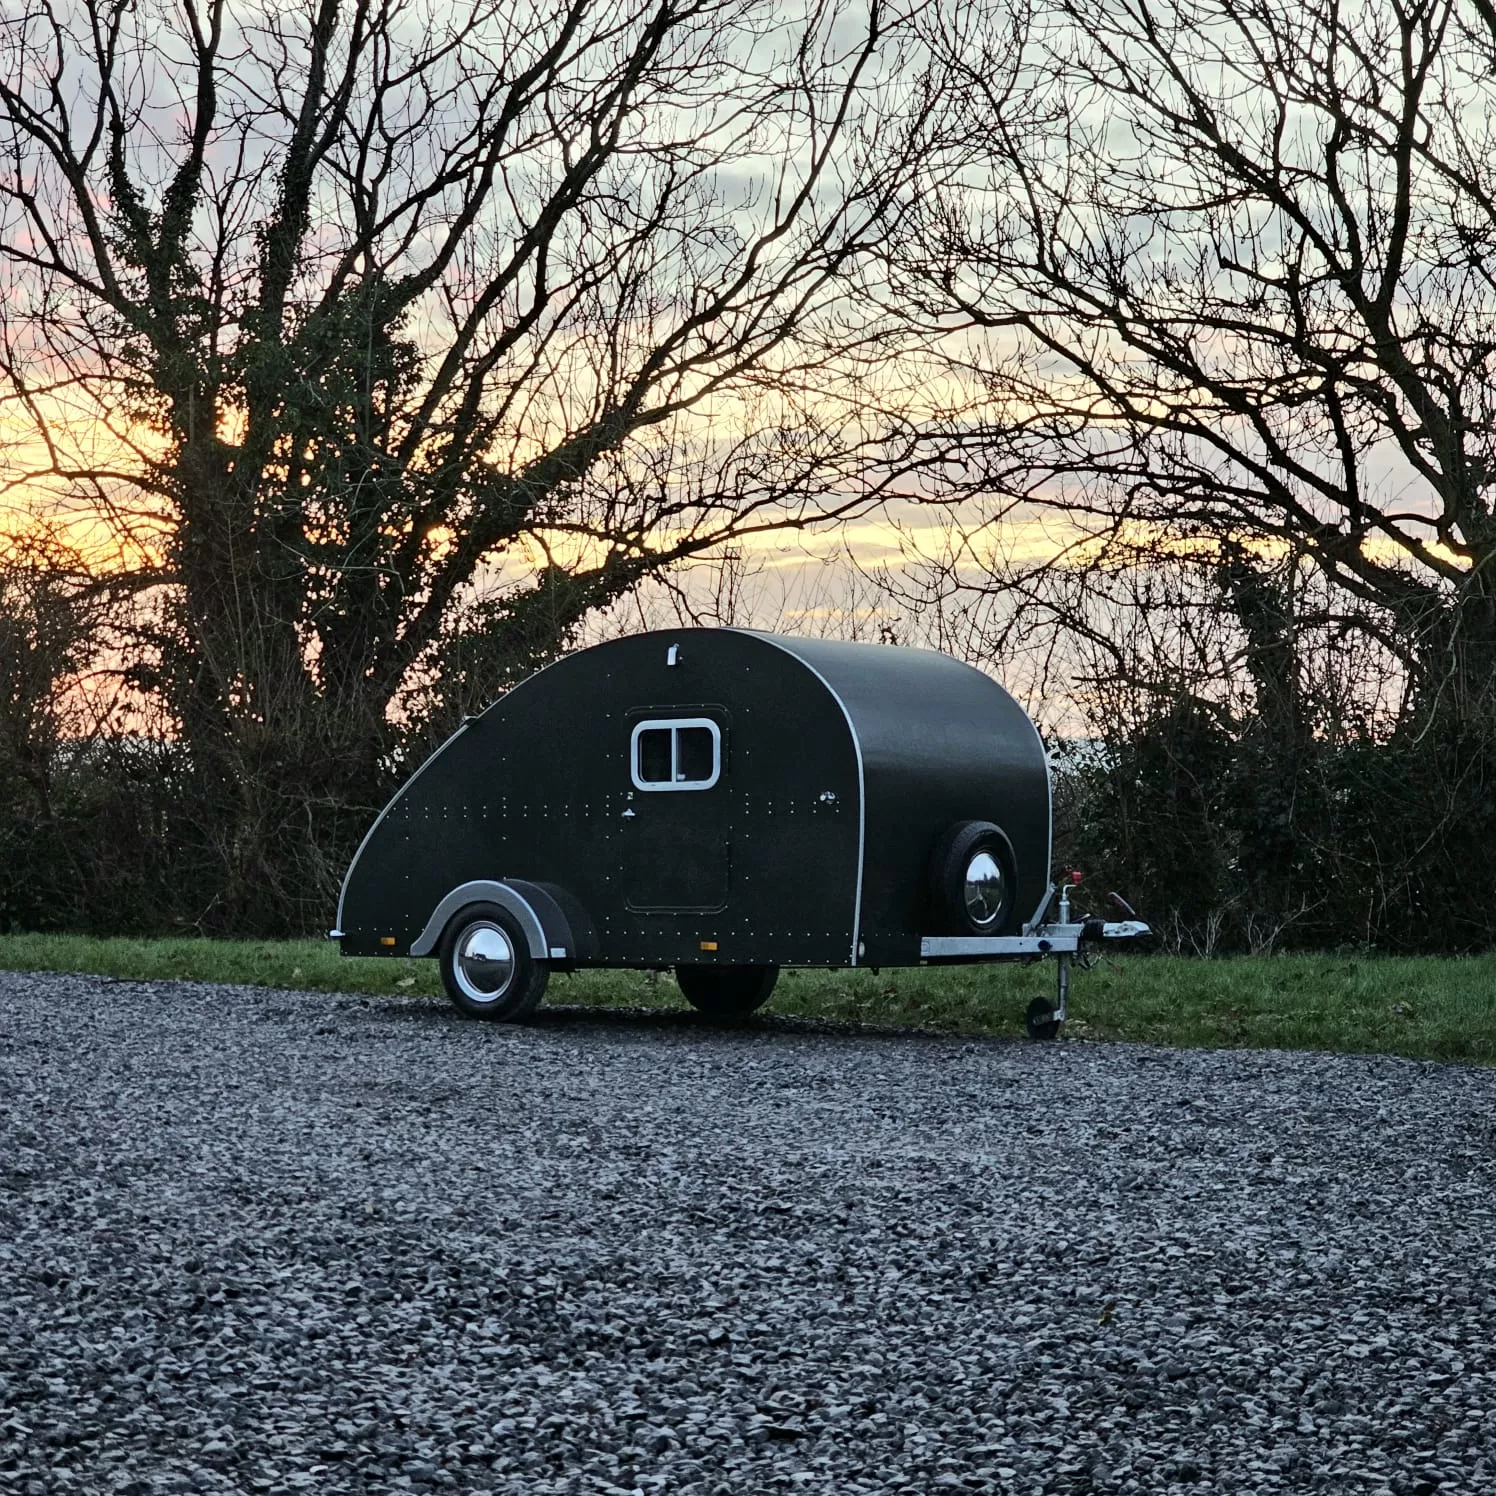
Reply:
x=861, y=781
x=1049, y=797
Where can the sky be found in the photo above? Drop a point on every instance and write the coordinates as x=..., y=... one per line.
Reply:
x=819, y=581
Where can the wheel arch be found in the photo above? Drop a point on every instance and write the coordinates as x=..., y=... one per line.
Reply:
x=555, y=928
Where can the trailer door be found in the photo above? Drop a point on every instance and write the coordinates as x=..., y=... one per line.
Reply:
x=675, y=832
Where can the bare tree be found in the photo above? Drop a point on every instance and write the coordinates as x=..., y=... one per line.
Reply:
x=335, y=312
x=1222, y=271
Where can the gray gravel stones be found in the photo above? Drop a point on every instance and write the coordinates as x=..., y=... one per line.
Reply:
x=265, y=1242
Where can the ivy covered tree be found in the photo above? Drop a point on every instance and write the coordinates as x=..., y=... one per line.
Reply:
x=367, y=325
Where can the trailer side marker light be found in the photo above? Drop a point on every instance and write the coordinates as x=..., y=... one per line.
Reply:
x=386, y=940
x=709, y=945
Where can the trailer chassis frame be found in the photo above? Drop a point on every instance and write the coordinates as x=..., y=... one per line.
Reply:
x=1061, y=939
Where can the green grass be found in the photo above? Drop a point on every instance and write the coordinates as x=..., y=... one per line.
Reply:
x=1427, y=1007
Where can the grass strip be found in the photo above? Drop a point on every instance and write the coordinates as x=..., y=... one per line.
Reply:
x=1440, y=1008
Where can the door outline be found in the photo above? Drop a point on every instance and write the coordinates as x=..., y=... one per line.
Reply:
x=677, y=848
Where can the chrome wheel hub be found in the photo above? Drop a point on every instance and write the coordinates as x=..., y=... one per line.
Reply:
x=985, y=889
x=484, y=962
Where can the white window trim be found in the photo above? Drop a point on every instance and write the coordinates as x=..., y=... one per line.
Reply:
x=674, y=724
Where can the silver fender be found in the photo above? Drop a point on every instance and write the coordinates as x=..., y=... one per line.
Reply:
x=485, y=891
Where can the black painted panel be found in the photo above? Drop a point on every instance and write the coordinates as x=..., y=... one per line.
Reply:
x=540, y=787
x=941, y=743
x=764, y=865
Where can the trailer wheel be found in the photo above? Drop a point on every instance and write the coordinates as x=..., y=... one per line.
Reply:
x=1040, y=1020
x=487, y=967
x=973, y=879
x=726, y=991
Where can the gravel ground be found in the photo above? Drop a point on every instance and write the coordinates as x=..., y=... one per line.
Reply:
x=268, y=1242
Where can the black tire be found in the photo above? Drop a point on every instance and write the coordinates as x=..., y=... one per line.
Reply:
x=515, y=995
x=1039, y=1019
x=954, y=853
x=726, y=991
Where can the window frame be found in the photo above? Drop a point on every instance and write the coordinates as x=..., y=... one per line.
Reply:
x=674, y=725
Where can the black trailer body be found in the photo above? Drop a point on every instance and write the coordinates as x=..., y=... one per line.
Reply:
x=715, y=799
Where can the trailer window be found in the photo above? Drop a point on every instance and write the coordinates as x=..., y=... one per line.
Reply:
x=653, y=756
x=695, y=755
x=685, y=754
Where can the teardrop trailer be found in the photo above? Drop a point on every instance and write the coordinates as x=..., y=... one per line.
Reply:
x=724, y=803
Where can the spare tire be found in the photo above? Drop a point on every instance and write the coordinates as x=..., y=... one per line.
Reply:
x=973, y=880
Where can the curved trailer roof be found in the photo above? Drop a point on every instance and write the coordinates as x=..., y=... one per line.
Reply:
x=932, y=741
x=927, y=727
